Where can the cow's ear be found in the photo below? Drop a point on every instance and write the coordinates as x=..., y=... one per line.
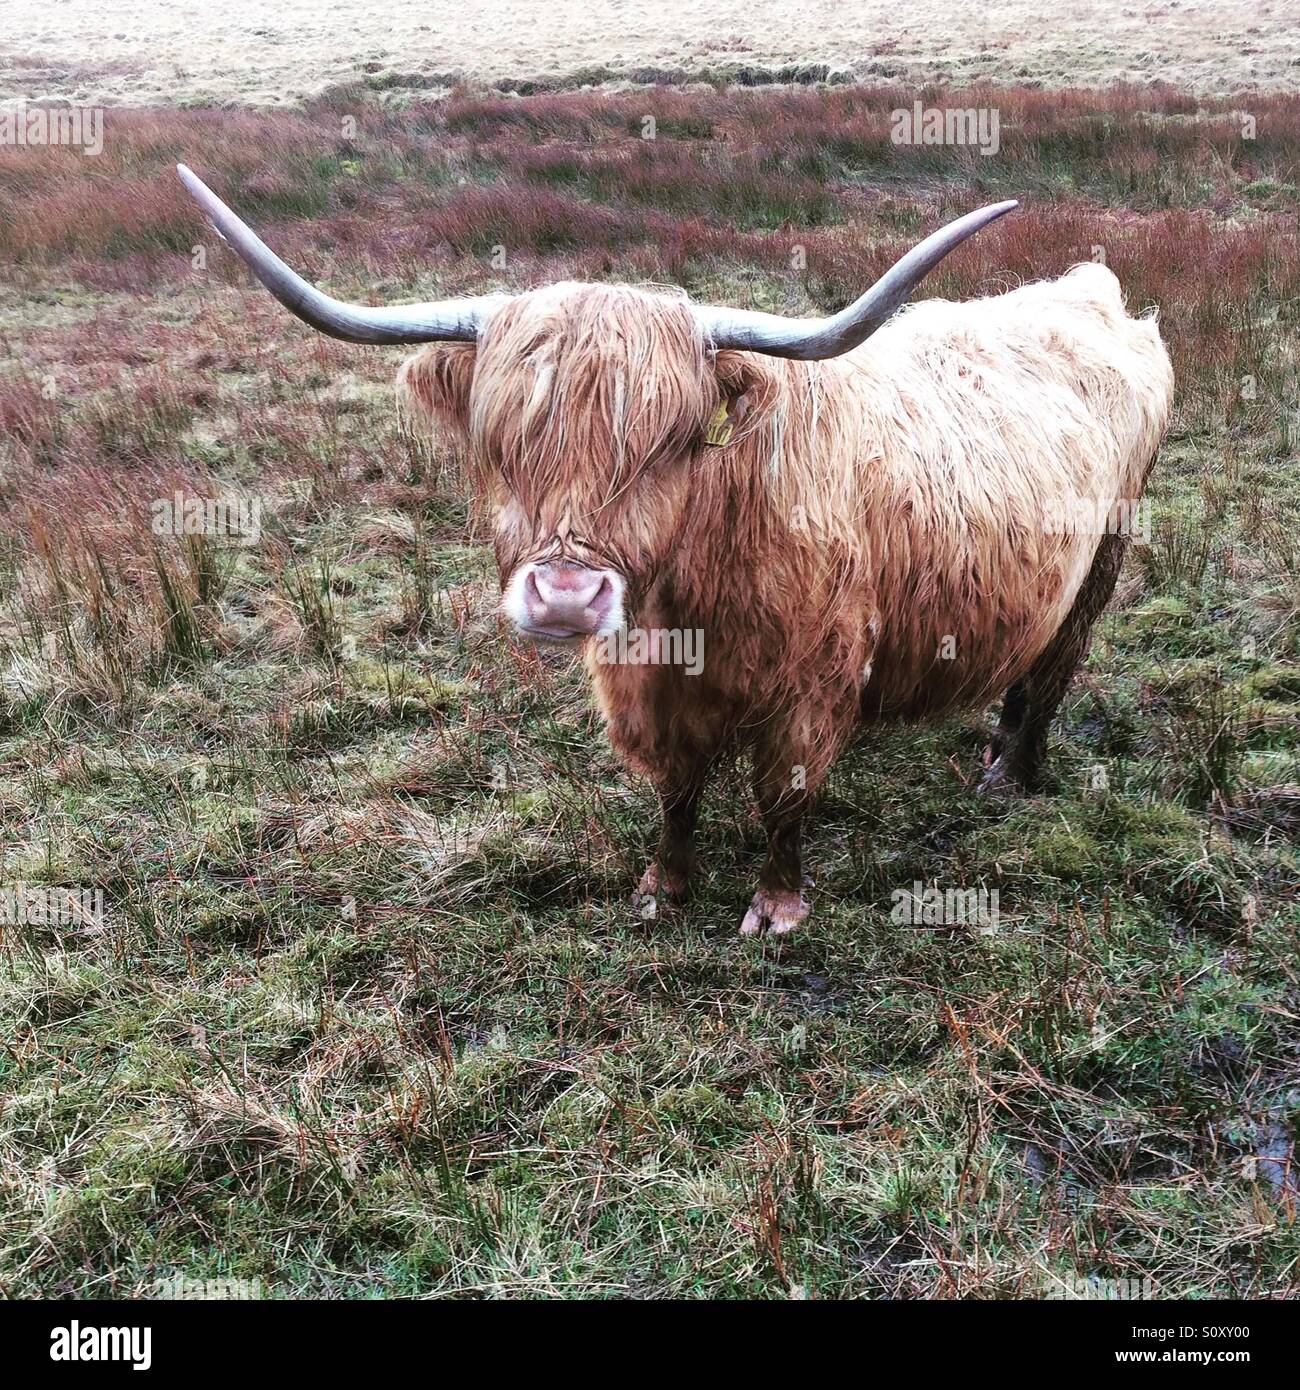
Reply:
x=747, y=386
x=434, y=385
x=726, y=419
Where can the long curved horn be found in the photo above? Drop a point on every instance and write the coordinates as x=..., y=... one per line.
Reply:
x=812, y=339
x=457, y=320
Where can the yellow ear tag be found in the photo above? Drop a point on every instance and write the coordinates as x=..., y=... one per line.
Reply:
x=721, y=427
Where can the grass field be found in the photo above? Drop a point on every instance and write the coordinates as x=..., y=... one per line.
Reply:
x=242, y=51
x=368, y=1011
x=245, y=52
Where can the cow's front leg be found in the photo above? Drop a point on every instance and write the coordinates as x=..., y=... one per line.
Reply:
x=673, y=741
x=783, y=798
x=668, y=875
x=792, y=756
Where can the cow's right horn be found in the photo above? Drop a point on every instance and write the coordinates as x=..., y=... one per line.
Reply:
x=813, y=339
x=456, y=320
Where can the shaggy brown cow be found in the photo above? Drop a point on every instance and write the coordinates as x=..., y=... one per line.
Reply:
x=897, y=530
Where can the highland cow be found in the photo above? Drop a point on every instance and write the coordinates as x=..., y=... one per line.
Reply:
x=859, y=530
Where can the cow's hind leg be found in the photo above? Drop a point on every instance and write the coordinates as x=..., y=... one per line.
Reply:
x=1019, y=762
x=1009, y=722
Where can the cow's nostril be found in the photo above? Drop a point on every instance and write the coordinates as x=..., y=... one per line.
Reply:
x=603, y=596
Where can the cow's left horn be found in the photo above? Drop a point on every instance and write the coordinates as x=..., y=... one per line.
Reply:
x=457, y=320
x=812, y=339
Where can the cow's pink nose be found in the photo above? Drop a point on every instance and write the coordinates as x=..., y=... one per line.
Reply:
x=567, y=599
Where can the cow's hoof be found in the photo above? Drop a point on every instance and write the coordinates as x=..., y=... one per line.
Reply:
x=656, y=887
x=1002, y=781
x=779, y=912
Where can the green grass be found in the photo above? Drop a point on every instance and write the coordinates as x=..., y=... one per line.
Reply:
x=370, y=1012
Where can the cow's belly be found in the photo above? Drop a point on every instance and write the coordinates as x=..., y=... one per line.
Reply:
x=960, y=637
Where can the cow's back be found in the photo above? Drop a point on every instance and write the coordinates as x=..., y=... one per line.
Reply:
x=1002, y=437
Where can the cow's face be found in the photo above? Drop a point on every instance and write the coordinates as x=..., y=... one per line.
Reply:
x=584, y=407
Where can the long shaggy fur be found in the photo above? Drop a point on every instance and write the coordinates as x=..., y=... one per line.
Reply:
x=882, y=537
